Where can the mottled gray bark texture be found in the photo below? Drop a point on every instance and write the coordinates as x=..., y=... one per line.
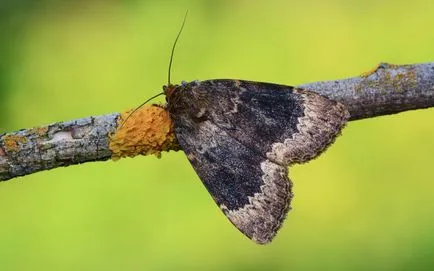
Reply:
x=59, y=144
x=388, y=89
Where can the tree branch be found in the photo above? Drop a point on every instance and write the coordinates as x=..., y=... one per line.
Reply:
x=387, y=89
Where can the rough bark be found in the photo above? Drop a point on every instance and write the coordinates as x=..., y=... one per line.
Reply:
x=387, y=89
x=58, y=144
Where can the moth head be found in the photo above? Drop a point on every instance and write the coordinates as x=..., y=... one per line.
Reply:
x=175, y=97
x=173, y=92
x=168, y=90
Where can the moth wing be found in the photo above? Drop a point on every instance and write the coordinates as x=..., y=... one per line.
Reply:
x=253, y=192
x=240, y=139
x=288, y=125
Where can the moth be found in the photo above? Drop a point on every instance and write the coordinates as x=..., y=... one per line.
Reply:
x=241, y=136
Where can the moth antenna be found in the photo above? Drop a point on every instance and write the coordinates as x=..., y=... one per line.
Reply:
x=173, y=47
x=138, y=107
x=168, y=78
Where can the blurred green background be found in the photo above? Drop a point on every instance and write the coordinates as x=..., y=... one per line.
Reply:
x=366, y=204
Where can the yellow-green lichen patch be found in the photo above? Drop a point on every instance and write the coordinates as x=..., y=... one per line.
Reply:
x=404, y=80
x=390, y=78
x=40, y=131
x=11, y=142
x=149, y=130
